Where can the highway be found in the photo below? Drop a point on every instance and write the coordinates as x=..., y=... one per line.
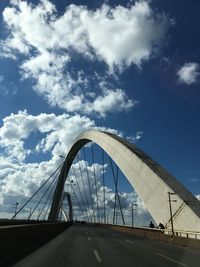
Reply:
x=83, y=245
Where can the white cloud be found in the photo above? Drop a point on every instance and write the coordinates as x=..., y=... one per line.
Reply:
x=19, y=178
x=16, y=175
x=136, y=138
x=7, y=87
x=59, y=131
x=47, y=40
x=189, y=73
x=83, y=195
x=111, y=101
x=133, y=33
x=198, y=197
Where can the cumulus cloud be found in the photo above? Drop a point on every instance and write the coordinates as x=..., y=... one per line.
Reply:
x=133, y=31
x=19, y=179
x=7, y=87
x=48, y=42
x=58, y=135
x=136, y=138
x=20, y=176
x=80, y=192
x=189, y=73
x=59, y=130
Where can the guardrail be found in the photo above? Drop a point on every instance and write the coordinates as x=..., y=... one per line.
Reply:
x=187, y=234
x=4, y=222
x=180, y=233
x=187, y=239
x=19, y=240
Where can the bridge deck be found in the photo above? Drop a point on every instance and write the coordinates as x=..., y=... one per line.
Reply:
x=83, y=245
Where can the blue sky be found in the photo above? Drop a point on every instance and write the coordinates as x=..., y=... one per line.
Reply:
x=130, y=67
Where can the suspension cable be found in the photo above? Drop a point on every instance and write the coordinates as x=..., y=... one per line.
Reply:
x=116, y=188
x=50, y=194
x=104, y=195
x=95, y=181
x=37, y=191
x=88, y=178
x=81, y=196
x=46, y=211
x=47, y=199
x=47, y=189
x=115, y=203
x=84, y=188
x=72, y=188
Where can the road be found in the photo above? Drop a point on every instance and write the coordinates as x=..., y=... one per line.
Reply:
x=83, y=245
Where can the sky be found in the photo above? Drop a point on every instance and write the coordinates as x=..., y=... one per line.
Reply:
x=128, y=67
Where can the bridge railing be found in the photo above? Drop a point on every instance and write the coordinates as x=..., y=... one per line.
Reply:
x=187, y=234
x=157, y=231
x=181, y=233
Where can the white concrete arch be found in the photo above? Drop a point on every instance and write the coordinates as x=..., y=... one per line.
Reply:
x=149, y=179
x=69, y=216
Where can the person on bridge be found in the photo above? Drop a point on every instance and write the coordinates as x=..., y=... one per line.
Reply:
x=161, y=226
x=151, y=224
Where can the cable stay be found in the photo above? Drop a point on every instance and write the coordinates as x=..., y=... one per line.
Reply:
x=37, y=191
x=47, y=189
x=104, y=195
x=95, y=181
x=73, y=192
x=48, y=197
x=84, y=188
x=116, y=189
x=88, y=179
x=81, y=196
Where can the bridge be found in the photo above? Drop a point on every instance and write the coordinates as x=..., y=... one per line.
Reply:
x=80, y=215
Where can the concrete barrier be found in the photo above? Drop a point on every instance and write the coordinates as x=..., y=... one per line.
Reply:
x=16, y=241
x=155, y=234
x=4, y=222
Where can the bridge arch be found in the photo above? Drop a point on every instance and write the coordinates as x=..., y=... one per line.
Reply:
x=151, y=181
x=66, y=195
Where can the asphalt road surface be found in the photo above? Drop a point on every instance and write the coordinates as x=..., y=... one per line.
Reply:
x=83, y=245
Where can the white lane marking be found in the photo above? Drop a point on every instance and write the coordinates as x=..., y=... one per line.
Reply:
x=130, y=242
x=170, y=259
x=89, y=238
x=97, y=255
